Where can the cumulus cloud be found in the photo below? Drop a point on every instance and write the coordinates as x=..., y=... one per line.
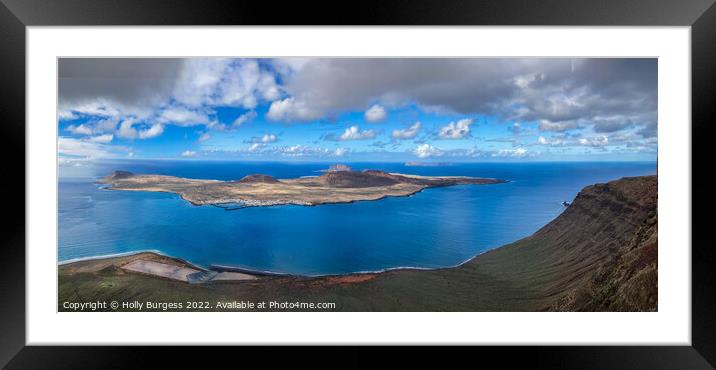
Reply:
x=553, y=141
x=204, y=137
x=96, y=127
x=427, y=150
x=199, y=79
x=80, y=129
x=153, y=131
x=246, y=117
x=306, y=151
x=256, y=146
x=127, y=131
x=290, y=109
x=188, y=154
x=265, y=139
x=407, y=133
x=375, y=114
x=352, y=133
x=183, y=117
x=74, y=150
x=106, y=138
x=598, y=141
x=456, y=130
x=222, y=81
x=511, y=153
x=165, y=90
x=555, y=92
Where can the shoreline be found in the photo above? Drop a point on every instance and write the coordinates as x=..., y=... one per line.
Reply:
x=267, y=273
x=130, y=254
x=258, y=190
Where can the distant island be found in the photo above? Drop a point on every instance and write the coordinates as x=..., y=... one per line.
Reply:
x=339, y=184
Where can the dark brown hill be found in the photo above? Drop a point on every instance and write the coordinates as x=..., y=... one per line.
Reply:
x=117, y=175
x=258, y=178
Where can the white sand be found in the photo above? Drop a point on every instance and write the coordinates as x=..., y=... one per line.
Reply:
x=160, y=269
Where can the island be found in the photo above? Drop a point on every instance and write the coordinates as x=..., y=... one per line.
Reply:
x=336, y=185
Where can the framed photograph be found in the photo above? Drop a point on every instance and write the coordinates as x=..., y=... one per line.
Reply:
x=481, y=174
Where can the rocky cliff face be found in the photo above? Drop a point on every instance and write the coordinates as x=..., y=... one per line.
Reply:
x=600, y=254
x=626, y=279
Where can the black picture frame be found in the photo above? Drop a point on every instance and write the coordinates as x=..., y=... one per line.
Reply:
x=16, y=15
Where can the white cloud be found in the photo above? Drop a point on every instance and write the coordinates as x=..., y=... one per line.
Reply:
x=268, y=138
x=256, y=146
x=246, y=117
x=154, y=131
x=198, y=80
x=375, y=114
x=102, y=126
x=90, y=107
x=66, y=115
x=513, y=153
x=80, y=130
x=127, y=131
x=230, y=82
x=407, y=133
x=354, y=133
x=265, y=139
x=106, y=125
x=456, y=130
x=598, y=141
x=182, y=117
x=247, y=83
x=290, y=109
x=106, y=138
x=204, y=137
x=552, y=141
x=188, y=154
x=427, y=150
x=84, y=150
x=307, y=151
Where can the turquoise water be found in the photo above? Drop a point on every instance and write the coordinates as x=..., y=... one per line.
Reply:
x=434, y=228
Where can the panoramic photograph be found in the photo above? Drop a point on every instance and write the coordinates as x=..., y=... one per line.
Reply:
x=357, y=184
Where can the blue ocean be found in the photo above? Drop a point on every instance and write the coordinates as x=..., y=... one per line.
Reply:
x=437, y=227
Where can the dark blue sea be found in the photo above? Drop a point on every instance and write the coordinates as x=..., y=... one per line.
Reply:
x=437, y=227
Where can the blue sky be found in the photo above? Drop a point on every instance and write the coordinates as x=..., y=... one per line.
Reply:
x=357, y=109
